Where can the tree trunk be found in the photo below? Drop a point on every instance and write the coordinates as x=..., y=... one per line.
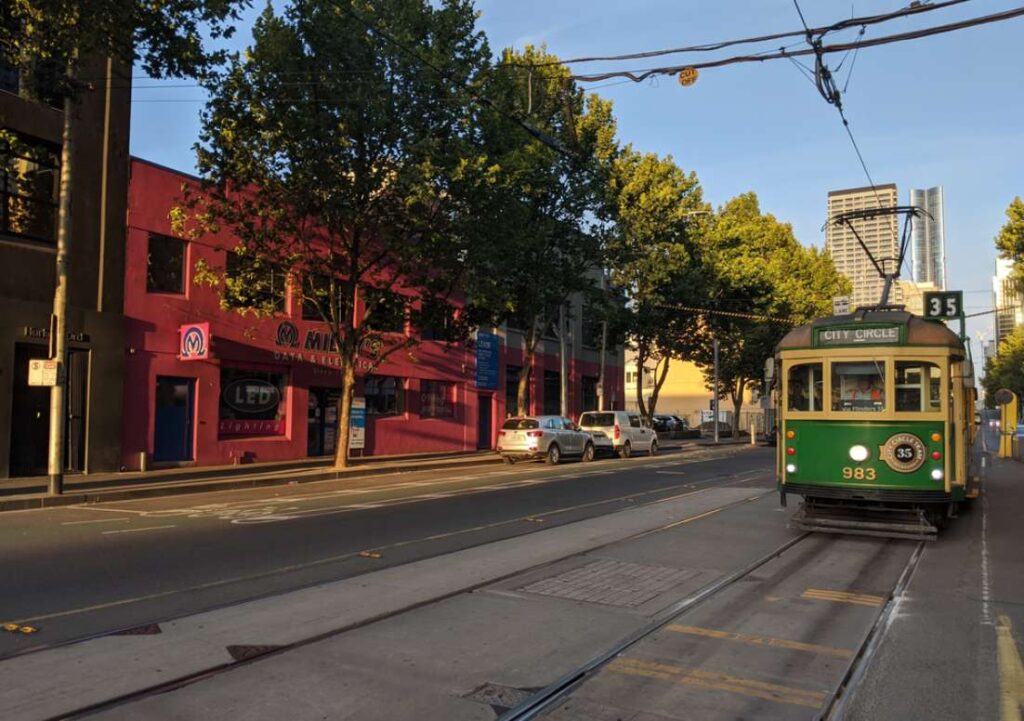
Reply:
x=529, y=352
x=737, y=404
x=58, y=328
x=659, y=381
x=641, y=359
x=348, y=389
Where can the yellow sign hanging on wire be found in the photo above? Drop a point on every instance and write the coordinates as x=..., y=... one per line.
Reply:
x=687, y=77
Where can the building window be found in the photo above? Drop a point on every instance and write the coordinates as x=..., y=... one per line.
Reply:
x=29, y=188
x=254, y=283
x=512, y=392
x=385, y=311
x=589, y=393
x=385, y=395
x=438, y=323
x=591, y=326
x=437, y=399
x=552, y=393
x=251, y=402
x=165, y=264
x=316, y=298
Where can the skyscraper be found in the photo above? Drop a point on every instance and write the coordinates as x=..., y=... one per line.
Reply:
x=880, y=235
x=928, y=238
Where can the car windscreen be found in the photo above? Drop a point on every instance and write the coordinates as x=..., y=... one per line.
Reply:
x=520, y=424
x=601, y=420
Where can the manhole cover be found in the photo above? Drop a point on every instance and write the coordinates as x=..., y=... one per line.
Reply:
x=612, y=583
x=498, y=697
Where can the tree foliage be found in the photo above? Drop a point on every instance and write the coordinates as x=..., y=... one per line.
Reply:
x=1006, y=368
x=1010, y=240
x=763, y=282
x=340, y=157
x=655, y=260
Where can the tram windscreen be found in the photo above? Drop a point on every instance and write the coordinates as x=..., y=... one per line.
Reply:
x=858, y=386
x=804, y=387
x=918, y=387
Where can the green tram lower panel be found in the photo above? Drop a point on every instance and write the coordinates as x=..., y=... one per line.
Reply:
x=821, y=456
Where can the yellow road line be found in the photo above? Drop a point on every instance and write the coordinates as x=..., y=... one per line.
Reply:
x=1011, y=671
x=858, y=599
x=719, y=682
x=755, y=640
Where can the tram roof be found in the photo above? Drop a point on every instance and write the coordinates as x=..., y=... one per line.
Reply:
x=917, y=330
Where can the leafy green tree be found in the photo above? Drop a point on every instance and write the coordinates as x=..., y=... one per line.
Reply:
x=762, y=282
x=544, y=216
x=1006, y=368
x=339, y=151
x=655, y=260
x=1010, y=241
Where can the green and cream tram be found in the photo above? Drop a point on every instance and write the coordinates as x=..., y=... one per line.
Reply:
x=875, y=413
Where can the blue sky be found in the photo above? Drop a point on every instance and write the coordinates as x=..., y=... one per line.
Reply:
x=945, y=110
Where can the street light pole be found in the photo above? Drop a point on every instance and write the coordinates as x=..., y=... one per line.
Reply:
x=715, y=343
x=563, y=369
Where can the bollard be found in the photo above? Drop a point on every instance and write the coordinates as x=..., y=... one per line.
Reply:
x=143, y=461
x=753, y=432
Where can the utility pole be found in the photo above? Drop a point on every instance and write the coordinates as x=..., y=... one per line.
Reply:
x=715, y=343
x=604, y=352
x=58, y=321
x=563, y=370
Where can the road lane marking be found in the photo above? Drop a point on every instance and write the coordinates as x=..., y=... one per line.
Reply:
x=95, y=520
x=857, y=599
x=755, y=640
x=716, y=681
x=1011, y=671
x=137, y=530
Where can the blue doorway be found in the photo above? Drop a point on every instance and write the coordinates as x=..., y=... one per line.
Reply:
x=175, y=409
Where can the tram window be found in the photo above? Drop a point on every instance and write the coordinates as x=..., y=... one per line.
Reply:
x=918, y=385
x=858, y=386
x=805, y=387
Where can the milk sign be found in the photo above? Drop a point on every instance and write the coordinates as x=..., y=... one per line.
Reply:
x=251, y=395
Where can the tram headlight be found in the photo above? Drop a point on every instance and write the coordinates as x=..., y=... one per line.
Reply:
x=859, y=453
x=937, y=474
x=790, y=468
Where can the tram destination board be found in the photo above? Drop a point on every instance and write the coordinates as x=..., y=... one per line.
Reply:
x=859, y=336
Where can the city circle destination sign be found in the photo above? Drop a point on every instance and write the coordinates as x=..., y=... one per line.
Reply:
x=859, y=336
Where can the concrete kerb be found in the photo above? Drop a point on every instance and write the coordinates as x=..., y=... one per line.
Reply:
x=265, y=479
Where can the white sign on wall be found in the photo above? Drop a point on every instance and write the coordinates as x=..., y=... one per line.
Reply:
x=43, y=372
x=357, y=424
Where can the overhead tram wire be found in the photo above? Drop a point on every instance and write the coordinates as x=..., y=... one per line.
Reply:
x=640, y=75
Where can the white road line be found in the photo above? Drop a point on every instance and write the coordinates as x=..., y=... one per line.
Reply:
x=138, y=530
x=96, y=520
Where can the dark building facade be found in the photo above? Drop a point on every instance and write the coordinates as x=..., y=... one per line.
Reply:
x=31, y=125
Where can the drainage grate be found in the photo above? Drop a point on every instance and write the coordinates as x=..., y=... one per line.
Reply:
x=612, y=583
x=244, y=653
x=147, y=629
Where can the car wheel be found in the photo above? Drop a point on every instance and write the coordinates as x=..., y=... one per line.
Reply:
x=626, y=451
x=554, y=455
x=588, y=453
x=654, y=447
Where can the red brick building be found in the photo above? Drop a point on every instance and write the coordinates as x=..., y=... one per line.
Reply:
x=260, y=389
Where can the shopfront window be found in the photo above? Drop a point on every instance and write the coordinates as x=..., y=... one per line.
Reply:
x=918, y=387
x=252, y=402
x=858, y=386
x=165, y=264
x=385, y=395
x=437, y=399
x=254, y=283
x=805, y=383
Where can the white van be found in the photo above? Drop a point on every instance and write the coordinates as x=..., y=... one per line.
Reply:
x=627, y=433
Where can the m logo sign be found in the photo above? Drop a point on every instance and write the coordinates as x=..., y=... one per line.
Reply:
x=287, y=334
x=194, y=341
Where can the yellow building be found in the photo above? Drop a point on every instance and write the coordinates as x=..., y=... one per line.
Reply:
x=684, y=393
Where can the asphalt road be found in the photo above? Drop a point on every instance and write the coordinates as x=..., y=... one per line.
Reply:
x=81, y=571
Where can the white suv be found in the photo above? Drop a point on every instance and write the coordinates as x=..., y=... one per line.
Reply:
x=627, y=433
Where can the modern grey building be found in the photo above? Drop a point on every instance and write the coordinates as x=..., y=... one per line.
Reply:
x=928, y=238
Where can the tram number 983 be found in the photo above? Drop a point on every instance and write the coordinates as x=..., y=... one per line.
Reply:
x=858, y=474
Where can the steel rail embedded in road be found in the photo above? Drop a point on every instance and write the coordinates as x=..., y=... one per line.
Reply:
x=549, y=695
x=855, y=670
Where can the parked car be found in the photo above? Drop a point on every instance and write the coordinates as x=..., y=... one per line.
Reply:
x=543, y=437
x=664, y=423
x=625, y=430
x=683, y=424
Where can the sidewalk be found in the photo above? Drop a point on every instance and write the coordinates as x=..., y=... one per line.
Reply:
x=18, y=494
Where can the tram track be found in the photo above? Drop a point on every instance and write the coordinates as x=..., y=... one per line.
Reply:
x=170, y=685
x=835, y=701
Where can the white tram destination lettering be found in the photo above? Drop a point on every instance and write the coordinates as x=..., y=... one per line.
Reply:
x=846, y=336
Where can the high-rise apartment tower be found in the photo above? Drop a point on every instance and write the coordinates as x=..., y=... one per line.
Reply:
x=880, y=234
x=928, y=238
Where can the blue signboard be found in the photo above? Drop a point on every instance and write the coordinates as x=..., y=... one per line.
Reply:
x=487, y=351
